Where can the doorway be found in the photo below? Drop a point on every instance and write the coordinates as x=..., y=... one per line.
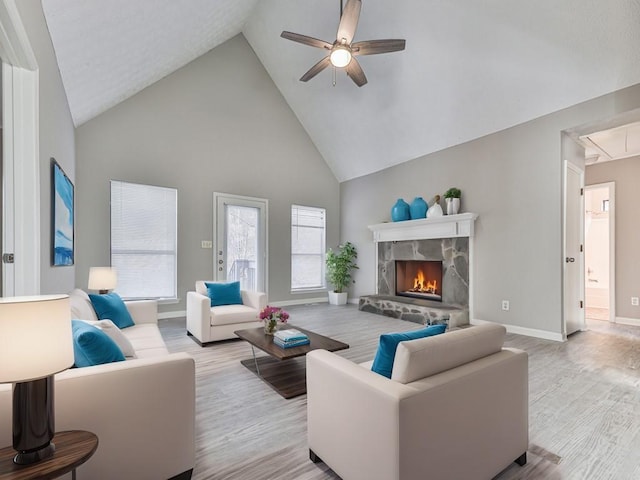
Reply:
x=599, y=202
x=240, y=240
x=20, y=157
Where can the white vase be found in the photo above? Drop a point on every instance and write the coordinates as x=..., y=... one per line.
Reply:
x=434, y=211
x=453, y=206
x=338, y=298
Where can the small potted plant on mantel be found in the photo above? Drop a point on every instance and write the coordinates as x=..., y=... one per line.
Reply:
x=339, y=266
x=452, y=197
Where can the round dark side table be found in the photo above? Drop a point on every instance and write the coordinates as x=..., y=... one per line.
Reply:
x=73, y=448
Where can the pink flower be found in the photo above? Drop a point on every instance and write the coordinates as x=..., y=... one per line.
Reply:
x=274, y=313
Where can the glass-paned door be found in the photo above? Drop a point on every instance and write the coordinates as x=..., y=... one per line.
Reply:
x=240, y=235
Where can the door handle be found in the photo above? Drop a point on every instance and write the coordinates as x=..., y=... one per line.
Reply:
x=569, y=260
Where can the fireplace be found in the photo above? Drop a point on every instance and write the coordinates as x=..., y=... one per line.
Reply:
x=419, y=279
x=443, y=241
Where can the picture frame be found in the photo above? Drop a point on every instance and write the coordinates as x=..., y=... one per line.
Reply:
x=62, y=221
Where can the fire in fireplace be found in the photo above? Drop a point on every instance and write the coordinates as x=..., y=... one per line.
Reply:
x=419, y=279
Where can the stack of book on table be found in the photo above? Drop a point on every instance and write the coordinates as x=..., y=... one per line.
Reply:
x=290, y=338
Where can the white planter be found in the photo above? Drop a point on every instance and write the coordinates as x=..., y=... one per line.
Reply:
x=338, y=298
x=453, y=206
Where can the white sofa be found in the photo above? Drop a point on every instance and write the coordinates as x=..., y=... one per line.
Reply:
x=142, y=410
x=456, y=407
x=210, y=324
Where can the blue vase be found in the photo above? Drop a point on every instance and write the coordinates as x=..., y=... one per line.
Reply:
x=400, y=211
x=418, y=208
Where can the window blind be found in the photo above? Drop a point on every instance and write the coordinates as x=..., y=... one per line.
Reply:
x=308, y=234
x=144, y=240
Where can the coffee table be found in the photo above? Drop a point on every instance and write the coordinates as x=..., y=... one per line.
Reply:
x=285, y=369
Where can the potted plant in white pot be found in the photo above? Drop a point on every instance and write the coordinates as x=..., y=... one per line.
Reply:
x=452, y=197
x=339, y=266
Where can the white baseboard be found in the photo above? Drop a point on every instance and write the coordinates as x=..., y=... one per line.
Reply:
x=178, y=314
x=299, y=301
x=529, y=332
x=628, y=321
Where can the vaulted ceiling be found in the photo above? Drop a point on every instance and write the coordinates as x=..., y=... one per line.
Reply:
x=470, y=68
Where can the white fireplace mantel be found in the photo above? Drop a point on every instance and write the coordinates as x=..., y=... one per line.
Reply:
x=447, y=226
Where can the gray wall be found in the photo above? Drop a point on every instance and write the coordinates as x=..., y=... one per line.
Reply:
x=513, y=180
x=626, y=175
x=56, y=140
x=218, y=124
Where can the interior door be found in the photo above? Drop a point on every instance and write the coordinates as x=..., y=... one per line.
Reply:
x=240, y=240
x=573, y=248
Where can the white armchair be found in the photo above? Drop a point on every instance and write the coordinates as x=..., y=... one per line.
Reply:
x=209, y=324
x=456, y=407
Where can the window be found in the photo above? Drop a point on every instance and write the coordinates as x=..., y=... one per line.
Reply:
x=144, y=243
x=307, y=248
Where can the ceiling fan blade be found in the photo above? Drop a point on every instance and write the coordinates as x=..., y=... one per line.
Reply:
x=312, y=42
x=316, y=69
x=355, y=72
x=373, y=47
x=349, y=21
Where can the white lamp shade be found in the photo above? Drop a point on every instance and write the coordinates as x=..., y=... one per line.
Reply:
x=102, y=278
x=35, y=337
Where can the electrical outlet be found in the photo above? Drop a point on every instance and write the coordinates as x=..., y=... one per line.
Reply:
x=505, y=305
x=634, y=301
x=207, y=244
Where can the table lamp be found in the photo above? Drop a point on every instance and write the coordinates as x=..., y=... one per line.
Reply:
x=35, y=343
x=102, y=279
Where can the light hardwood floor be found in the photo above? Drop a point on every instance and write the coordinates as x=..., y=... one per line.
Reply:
x=584, y=402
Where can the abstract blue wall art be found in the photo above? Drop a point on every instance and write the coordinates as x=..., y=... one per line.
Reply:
x=62, y=217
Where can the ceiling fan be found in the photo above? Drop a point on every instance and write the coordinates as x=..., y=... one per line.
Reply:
x=342, y=52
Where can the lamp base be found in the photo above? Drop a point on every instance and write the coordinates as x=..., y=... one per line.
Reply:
x=33, y=422
x=26, y=458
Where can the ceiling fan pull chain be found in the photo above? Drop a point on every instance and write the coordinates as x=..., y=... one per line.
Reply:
x=334, y=76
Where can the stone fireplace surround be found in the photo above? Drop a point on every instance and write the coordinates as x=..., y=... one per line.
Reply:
x=447, y=239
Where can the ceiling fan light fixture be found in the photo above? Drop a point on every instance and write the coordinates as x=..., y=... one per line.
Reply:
x=343, y=51
x=340, y=57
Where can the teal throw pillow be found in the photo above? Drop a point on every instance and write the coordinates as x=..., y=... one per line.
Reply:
x=91, y=346
x=224, y=293
x=111, y=307
x=386, y=354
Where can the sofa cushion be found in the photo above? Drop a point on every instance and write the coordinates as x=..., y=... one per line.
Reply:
x=201, y=288
x=429, y=356
x=146, y=340
x=383, y=362
x=224, y=293
x=91, y=346
x=81, y=307
x=115, y=334
x=110, y=306
x=229, y=314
